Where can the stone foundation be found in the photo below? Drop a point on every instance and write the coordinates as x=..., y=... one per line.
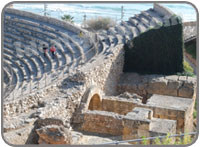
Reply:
x=124, y=111
x=135, y=124
x=179, y=86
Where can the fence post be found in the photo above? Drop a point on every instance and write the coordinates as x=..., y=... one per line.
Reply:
x=45, y=76
x=30, y=86
x=38, y=85
x=13, y=94
x=63, y=73
x=21, y=91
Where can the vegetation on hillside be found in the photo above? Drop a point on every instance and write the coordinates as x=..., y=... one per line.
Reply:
x=188, y=70
x=100, y=23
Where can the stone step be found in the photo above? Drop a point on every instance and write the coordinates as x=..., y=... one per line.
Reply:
x=154, y=16
x=17, y=74
x=40, y=31
x=22, y=63
x=29, y=61
x=149, y=18
x=16, y=67
x=133, y=29
x=13, y=82
x=42, y=42
x=142, y=20
x=35, y=52
x=136, y=23
x=75, y=45
x=6, y=77
x=128, y=29
x=25, y=74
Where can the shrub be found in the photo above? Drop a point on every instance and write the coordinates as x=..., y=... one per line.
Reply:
x=157, y=51
x=100, y=23
x=187, y=139
x=187, y=67
x=67, y=18
x=188, y=70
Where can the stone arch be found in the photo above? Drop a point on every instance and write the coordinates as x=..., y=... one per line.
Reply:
x=95, y=103
x=92, y=99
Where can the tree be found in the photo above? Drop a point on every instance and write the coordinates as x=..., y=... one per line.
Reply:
x=67, y=18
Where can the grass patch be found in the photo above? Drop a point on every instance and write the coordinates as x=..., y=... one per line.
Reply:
x=195, y=109
x=187, y=67
x=188, y=70
x=187, y=139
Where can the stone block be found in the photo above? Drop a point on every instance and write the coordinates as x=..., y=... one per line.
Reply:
x=54, y=134
x=157, y=86
x=143, y=133
x=186, y=92
x=182, y=78
x=102, y=122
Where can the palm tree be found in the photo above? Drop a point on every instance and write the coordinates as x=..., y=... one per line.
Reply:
x=67, y=18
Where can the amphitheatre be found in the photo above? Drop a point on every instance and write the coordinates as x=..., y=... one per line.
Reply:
x=83, y=92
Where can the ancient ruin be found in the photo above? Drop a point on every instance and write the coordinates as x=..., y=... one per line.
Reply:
x=84, y=89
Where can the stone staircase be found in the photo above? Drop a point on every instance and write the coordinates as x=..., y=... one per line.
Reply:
x=25, y=33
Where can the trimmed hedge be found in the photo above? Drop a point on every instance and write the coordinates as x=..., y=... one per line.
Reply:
x=157, y=51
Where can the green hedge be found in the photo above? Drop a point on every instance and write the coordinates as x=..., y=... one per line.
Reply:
x=157, y=51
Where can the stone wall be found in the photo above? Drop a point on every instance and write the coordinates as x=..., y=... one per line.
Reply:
x=173, y=108
x=114, y=124
x=102, y=122
x=173, y=85
x=163, y=107
x=121, y=106
x=135, y=124
x=24, y=104
x=103, y=73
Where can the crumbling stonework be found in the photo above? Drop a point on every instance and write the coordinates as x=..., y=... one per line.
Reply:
x=54, y=134
x=105, y=74
x=173, y=85
x=126, y=113
x=87, y=99
x=135, y=124
x=173, y=108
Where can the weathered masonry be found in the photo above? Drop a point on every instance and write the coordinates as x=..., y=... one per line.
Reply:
x=84, y=88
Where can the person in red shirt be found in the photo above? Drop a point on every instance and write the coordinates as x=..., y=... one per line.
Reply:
x=52, y=50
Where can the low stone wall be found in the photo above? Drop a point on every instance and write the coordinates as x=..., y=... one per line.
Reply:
x=135, y=124
x=173, y=108
x=102, y=122
x=121, y=106
x=114, y=124
x=163, y=107
x=173, y=85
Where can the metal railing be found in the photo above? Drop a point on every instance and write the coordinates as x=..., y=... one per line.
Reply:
x=148, y=138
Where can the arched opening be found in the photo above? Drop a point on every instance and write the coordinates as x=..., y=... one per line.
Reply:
x=95, y=103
